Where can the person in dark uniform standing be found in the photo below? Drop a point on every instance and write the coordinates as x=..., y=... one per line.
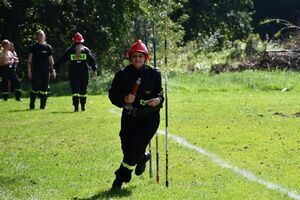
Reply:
x=80, y=58
x=40, y=63
x=137, y=89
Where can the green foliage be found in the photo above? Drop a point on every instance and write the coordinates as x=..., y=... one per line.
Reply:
x=236, y=50
x=100, y=85
x=254, y=45
x=287, y=26
x=289, y=33
x=226, y=20
x=195, y=57
x=190, y=58
x=104, y=24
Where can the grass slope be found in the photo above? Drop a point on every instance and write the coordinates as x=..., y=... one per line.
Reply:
x=243, y=118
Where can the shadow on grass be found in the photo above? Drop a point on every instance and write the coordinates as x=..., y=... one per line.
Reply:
x=7, y=180
x=21, y=110
x=62, y=112
x=31, y=110
x=108, y=194
x=16, y=180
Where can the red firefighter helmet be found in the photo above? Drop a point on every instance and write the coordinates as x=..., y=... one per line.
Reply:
x=78, y=38
x=138, y=46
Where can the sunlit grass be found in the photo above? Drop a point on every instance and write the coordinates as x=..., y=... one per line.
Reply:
x=57, y=154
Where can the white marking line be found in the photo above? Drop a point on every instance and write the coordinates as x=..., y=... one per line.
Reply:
x=247, y=174
x=219, y=161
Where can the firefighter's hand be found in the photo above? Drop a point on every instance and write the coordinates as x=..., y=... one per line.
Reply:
x=129, y=98
x=29, y=74
x=53, y=74
x=153, y=102
x=94, y=74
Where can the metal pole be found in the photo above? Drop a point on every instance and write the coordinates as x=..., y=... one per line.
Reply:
x=156, y=134
x=166, y=106
x=150, y=146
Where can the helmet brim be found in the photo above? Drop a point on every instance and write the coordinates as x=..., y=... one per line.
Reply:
x=147, y=56
x=78, y=41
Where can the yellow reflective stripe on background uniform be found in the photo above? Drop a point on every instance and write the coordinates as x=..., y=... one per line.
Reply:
x=35, y=92
x=127, y=166
x=42, y=92
x=82, y=56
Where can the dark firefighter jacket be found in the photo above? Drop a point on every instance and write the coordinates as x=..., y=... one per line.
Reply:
x=77, y=63
x=40, y=54
x=150, y=87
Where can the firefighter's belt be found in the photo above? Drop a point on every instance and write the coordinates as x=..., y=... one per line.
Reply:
x=141, y=112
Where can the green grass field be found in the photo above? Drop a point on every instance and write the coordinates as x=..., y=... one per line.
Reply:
x=241, y=131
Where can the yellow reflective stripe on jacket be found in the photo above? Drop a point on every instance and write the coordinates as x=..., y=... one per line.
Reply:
x=83, y=95
x=127, y=166
x=76, y=95
x=74, y=57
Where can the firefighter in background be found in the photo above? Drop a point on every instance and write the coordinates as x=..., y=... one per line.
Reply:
x=80, y=58
x=13, y=77
x=137, y=89
x=39, y=67
x=6, y=60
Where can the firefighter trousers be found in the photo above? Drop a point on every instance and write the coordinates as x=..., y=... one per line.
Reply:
x=4, y=73
x=40, y=85
x=79, y=82
x=135, y=135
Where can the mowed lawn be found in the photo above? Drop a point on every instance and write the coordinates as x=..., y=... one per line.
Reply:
x=248, y=123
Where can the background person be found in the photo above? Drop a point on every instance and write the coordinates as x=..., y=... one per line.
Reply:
x=80, y=58
x=6, y=60
x=13, y=77
x=40, y=63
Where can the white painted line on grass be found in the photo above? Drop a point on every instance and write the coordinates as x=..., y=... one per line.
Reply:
x=247, y=174
x=219, y=161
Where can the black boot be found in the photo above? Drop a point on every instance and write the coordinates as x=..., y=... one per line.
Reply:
x=83, y=107
x=5, y=95
x=75, y=103
x=141, y=165
x=43, y=101
x=123, y=175
x=32, y=100
x=82, y=103
x=18, y=94
x=76, y=108
x=117, y=184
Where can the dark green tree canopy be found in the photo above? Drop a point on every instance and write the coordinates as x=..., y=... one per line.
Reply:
x=111, y=26
x=230, y=19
